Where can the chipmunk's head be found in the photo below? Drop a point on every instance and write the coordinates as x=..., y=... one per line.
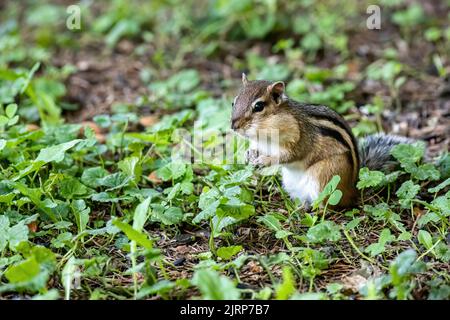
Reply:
x=257, y=106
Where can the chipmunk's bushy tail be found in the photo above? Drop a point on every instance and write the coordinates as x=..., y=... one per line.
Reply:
x=375, y=151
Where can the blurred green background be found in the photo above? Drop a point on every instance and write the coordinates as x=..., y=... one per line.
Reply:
x=322, y=48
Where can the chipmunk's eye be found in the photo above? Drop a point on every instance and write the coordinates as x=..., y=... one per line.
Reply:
x=259, y=106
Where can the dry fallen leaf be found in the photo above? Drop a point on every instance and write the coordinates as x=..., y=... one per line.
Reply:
x=32, y=127
x=182, y=250
x=148, y=121
x=253, y=267
x=153, y=177
x=33, y=226
x=101, y=138
x=353, y=282
x=418, y=212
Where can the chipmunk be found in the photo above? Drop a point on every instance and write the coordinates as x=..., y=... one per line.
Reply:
x=312, y=143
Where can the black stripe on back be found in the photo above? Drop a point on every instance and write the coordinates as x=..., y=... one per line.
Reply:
x=322, y=112
x=342, y=124
x=328, y=132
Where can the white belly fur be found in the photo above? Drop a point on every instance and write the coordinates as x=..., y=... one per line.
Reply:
x=298, y=183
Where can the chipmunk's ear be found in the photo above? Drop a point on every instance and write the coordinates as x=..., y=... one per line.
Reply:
x=244, y=79
x=276, y=90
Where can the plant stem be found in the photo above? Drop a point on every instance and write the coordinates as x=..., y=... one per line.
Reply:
x=350, y=240
x=133, y=265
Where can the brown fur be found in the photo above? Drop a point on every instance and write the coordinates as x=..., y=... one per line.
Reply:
x=353, y=151
x=330, y=158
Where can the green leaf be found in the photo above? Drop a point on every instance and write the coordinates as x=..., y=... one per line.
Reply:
x=108, y=197
x=271, y=222
x=405, y=264
x=56, y=153
x=29, y=76
x=131, y=167
x=334, y=288
x=159, y=287
x=3, y=120
x=439, y=187
x=376, y=248
x=311, y=41
x=442, y=204
x=44, y=256
x=114, y=181
x=141, y=214
x=92, y=176
x=386, y=236
x=335, y=197
x=123, y=27
x=13, y=120
x=369, y=178
x=426, y=171
x=17, y=234
x=227, y=253
x=172, y=170
x=68, y=275
x=442, y=252
x=167, y=216
x=410, y=17
x=23, y=271
x=51, y=294
x=408, y=154
x=62, y=240
x=206, y=213
x=353, y=223
x=7, y=198
x=332, y=184
x=4, y=231
x=11, y=110
x=407, y=191
x=327, y=191
x=404, y=236
x=281, y=234
x=173, y=191
x=427, y=218
x=444, y=164
x=81, y=213
x=71, y=187
x=214, y=286
x=309, y=219
x=324, y=231
x=133, y=234
x=185, y=80
x=187, y=188
x=391, y=177
x=286, y=288
x=425, y=239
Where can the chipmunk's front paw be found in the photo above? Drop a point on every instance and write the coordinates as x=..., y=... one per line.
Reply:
x=251, y=155
x=262, y=161
x=258, y=160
